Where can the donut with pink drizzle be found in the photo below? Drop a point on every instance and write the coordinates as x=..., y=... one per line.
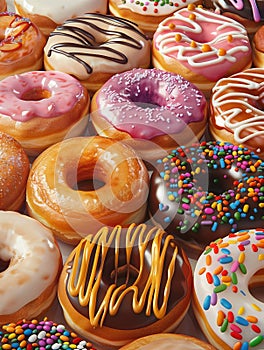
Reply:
x=41, y=108
x=150, y=109
x=202, y=46
x=228, y=312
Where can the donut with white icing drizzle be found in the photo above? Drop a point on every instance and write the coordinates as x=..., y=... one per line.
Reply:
x=93, y=47
x=229, y=314
x=147, y=14
x=237, y=110
x=33, y=263
x=121, y=284
x=202, y=46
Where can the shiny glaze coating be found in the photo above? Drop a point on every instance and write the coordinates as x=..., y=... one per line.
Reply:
x=200, y=192
x=18, y=50
x=29, y=283
x=54, y=196
x=14, y=173
x=124, y=282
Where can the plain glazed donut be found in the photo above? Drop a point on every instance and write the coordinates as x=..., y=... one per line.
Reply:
x=18, y=50
x=28, y=283
x=202, y=46
x=237, y=110
x=228, y=313
x=258, y=48
x=147, y=14
x=50, y=14
x=54, y=198
x=14, y=173
x=200, y=192
x=150, y=110
x=93, y=47
x=121, y=284
x=2, y=6
x=41, y=108
x=168, y=341
x=44, y=334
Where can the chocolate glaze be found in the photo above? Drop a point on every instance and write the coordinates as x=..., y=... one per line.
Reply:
x=84, y=39
x=205, y=205
x=126, y=273
x=249, y=9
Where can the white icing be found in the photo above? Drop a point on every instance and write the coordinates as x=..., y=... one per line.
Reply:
x=59, y=11
x=34, y=260
x=239, y=91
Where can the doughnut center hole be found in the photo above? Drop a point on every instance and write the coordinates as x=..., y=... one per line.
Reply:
x=125, y=274
x=35, y=94
x=4, y=265
x=88, y=185
x=256, y=285
x=144, y=96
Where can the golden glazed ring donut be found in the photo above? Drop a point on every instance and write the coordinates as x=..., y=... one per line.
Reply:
x=18, y=49
x=28, y=284
x=258, y=48
x=168, y=341
x=54, y=199
x=121, y=284
x=14, y=170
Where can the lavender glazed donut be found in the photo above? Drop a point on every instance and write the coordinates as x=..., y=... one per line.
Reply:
x=149, y=109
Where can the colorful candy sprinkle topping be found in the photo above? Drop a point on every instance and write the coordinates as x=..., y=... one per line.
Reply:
x=221, y=280
x=43, y=335
x=210, y=186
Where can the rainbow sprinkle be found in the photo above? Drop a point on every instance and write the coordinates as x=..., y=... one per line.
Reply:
x=43, y=335
x=224, y=296
x=212, y=185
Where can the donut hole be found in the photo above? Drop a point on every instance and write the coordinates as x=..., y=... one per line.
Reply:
x=85, y=180
x=256, y=285
x=35, y=94
x=88, y=185
x=146, y=97
x=126, y=274
x=4, y=264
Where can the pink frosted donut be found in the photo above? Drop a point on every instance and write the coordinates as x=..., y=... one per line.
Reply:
x=202, y=46
x=150, y=109
x=40, y=108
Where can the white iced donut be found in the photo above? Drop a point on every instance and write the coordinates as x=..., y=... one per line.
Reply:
x=229, y=314
x=32, y=263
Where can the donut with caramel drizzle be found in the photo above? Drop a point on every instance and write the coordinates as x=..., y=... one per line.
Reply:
x=124, y=283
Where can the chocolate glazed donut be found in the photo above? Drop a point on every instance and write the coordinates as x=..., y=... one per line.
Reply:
x=199, y=193
x=125, y=283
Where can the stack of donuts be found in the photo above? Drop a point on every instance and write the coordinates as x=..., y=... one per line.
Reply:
x=132, y=174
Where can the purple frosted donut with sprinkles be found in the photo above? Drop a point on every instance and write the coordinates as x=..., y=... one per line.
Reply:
x=200, y=192
x=42, y=335
x=229, y=314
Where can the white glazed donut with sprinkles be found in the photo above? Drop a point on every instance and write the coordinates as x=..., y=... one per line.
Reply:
x=229, y=314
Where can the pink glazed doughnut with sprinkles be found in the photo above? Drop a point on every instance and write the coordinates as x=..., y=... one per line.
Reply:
x=229, y=314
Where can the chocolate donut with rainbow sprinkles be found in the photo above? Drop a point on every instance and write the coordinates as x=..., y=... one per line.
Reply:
x=200, y=192
x=229, y=313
